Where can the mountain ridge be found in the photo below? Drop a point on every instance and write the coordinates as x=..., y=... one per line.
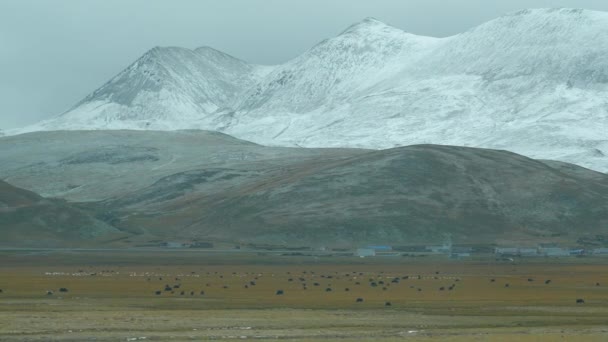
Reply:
x=534, y=82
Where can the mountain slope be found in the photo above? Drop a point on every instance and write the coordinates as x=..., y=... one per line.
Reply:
x=167, y=88
x=407, y=195
x=534, y=82
x=183, y=185
x=89, y=166
x=27, y=219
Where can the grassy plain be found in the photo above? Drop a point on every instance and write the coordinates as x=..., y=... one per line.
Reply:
x=112, y=297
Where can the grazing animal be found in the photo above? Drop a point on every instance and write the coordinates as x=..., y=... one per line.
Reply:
x=596, y=284
x=328, y=289
x=548, y=281
x=316, y=284
x=580, y=301
x=1, y=291
x=441, y=288
x=530, y=279
x=347, y=289
x=359, y=300
x=49, y=293
x=158, y=293
x=192, y=293
x=279, y=292
x=387, y=304
x=492, y=280
x=202, y=293
x=168, y=288
x=182, y=293
x=507, y=285
x=63, y=289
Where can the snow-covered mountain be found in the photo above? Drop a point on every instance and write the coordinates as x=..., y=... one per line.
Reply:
x=534, y=82
x=166, y=88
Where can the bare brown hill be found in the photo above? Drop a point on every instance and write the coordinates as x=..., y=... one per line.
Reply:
x=407, y=195
x=197, y=185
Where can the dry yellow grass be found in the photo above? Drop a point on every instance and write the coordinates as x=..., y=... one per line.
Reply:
x=116, y=300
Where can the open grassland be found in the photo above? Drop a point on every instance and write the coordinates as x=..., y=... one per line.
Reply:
x=196, y=296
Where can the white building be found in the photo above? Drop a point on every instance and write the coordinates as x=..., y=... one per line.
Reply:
x=555, y=251
x=366, y=252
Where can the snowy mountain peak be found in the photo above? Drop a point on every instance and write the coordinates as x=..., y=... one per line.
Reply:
x=549, y=11
x=534, y=82
x=366, y=25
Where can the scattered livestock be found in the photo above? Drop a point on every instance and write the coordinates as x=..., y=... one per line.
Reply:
x=376, y=280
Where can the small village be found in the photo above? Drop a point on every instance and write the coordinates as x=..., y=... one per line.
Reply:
x=366, y=251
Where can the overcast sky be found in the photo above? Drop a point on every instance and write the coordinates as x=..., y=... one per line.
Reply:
x=55, y=52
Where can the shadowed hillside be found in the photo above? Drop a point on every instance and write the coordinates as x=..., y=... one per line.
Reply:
x=406, y=195
x=27, y=219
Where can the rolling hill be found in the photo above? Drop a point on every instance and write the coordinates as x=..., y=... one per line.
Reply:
x=197, y=185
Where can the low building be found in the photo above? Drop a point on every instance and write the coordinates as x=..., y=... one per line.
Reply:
x=460, y=255
x=506, y=251
x=555, y=251
x=528, y=252
x=600, y=251
x=439, y=249
x=516, y=251
x=379, y=248
x=173, y=244
x=366, y=252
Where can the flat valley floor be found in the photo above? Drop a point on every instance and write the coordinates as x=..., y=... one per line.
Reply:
x=190, y=296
